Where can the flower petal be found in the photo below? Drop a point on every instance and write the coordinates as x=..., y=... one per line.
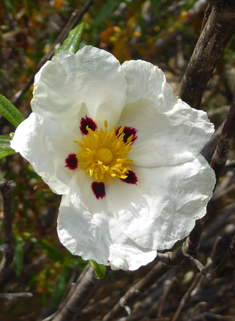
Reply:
x=97, y=236
x=146, y=81
x=88, y=83
x=169, y=131
x=162, y=208
x=46, y=146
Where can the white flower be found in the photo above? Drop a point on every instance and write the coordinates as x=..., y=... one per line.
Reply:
x=123, y=151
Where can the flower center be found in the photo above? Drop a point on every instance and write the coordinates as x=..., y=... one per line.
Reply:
x=104, y=152
x=104, y=155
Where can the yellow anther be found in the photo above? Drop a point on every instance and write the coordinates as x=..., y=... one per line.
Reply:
x=103, y=154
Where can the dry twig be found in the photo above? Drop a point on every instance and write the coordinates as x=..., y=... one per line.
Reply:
x=79, y=295
x=224, y=261
x=8, y=238
x=217, y=32
x=15, y=296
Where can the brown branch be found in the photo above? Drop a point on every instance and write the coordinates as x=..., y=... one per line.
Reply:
x=186, y=296
x=194, y=287
x=221, y=218
x=80, y=294
x=228, y=134
x=224, y=261
x=225, y=183
x=223, y=193
x=209, y=149
x=8, y=238
x=166, y=290
x=211, y=44
x=206, y=16
x=74, y=19
x=174, y=258
x=15, y=296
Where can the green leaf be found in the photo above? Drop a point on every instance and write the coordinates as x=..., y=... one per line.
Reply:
x=5, y=148
x=18, y=260
x=100, y=269
x=10, y=112
x=106, y=11
x=71, y=43
x=156, y=6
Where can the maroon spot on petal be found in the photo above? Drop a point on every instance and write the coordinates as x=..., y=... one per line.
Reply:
x=128, y=131
x=98, y=189
x=87, y=122
x=71, y=162
x=131, y=178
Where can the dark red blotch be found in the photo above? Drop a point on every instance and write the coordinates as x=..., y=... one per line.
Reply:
x=98, y=189
x=128, y=131
x=71, y=162
x=86, y=121
x=131, y=178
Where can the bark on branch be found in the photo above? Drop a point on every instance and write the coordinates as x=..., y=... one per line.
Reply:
x=80, y=294
x=224, y=261
x=215, y=35
x=8, y=239
x=220, y=155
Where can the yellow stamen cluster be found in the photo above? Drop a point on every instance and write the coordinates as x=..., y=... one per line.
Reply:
x=104, y=154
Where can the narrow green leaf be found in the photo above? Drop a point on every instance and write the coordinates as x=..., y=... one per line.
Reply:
x=100, y=269
x=18, y=260
x=10, y=112
x=106, y=10
x=71, y=43
x=156, y=6
x=5, y=148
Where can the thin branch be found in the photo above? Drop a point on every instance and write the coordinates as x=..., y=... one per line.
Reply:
x=225, y=182
x=186, y=296
x=8, y=238
x=224, y=261
x=227, y=137
x=194, y=287
x=137, y=289
x=222, y=217
x=80, y=294
x=215, y=35
x=173, y=259
x=74, y=19
x=209, y=149
x=167, y=287
x=212, y=316
x=15, y=296
x=224, y=192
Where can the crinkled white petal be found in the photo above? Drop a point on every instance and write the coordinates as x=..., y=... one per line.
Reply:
x=162, y=208
x=169, y=131
x=89, y=83
x=97, y=236
x=46, y=145
x=146, y=81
